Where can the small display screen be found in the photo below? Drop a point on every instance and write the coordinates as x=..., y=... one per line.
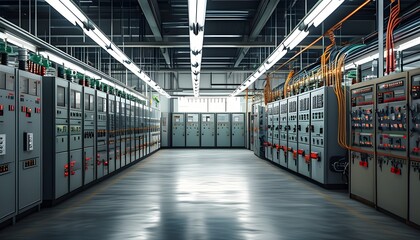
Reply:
x=75, y=99
x=61, y=96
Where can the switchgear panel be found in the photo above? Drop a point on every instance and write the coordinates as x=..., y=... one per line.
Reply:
x=325, y=151
x=284, y=129
x=128, y=114
x=362, y=132
x=303, y=134
x=111, y=133
x=223, y=130
x=122, y=132
x=178, y=130
x=101, y=135
x=76, y=156
x=29, y=140
x=137, y=131
x=208, y=130
x=56, y=130
x=414, y=149
x=292, y=133
x=132, y=133
x=276, y=131
x=269, y=137
x=7, y=143
x=238, y=130
x=89, y=148
x=164, y=122
x=392, y=143
x=192, y=129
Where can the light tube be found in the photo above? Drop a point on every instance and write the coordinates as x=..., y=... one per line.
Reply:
x=18, y=42
x=332, y=6
x=308, y=21
x=64, y=11
x=409, y=44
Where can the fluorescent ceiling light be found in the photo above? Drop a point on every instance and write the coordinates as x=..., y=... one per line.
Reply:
x=409, y=44
x=73, y=14
x=315, y=12
x=60, y=61
x=17, y=41
x=295, y=38
x=367, y=59
x=274, y=58
x=332, y=6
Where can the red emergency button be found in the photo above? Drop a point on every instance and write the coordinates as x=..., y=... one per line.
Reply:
x=1, y=107
x=363, y=164
x=396, y=170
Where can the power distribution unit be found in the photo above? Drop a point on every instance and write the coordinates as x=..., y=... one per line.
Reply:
x=391, y=144
x=192, y=129
x=269, y=137
x=178, y=130
x=303, y=134
x=276, y=132
x=101, y=135
x=238, y=130
x=165, y=131
x=223, y=130
x=29, y=120
x=284, y=129
x=7, y=143
x=325, y=150
x=75, y=167
x=362, y=140
x=292, y=127
x=89, y=143
x=414, y=150
x=208, y=130
x=123, y=136
x=112, y=155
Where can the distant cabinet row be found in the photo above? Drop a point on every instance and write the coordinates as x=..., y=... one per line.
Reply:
x=203, y=130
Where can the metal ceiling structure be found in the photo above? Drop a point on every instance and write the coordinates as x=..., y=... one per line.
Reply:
x=239, y=35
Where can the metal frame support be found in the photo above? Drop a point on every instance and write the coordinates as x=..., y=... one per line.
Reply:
x=380, y=25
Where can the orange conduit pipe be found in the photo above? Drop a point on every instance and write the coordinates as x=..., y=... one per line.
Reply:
x=286, y=83
x=393, y=21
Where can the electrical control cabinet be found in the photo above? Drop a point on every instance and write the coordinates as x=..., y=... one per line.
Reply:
x=143, y=130
x=178, y=130
x=238, y=130
x=362, y=141
x=223, y=130
x=192, y=129
x=208, y=130
x=414, y=150
x=7, y=143
x=283, y=131
x=117, y=132
x=131, y=131
x=111, y=133
x=137, y=131
x=259, y=132
x=292, y=137
x=392, y=144
x=89, y=106
x=75, y=166
x=56, y=133
x=269, y=138
x=29, y=140
x=325, y=153
x=101, y=135
x=164, y=122
x=123, y=126
x=276, y=132
x=128, y=118
x=303, y=134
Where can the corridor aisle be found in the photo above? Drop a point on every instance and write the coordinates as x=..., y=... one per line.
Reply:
x=208, y=194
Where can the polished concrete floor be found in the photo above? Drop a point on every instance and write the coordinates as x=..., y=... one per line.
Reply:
x=208, y=194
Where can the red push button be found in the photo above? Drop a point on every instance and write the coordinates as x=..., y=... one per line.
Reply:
x=314, y=155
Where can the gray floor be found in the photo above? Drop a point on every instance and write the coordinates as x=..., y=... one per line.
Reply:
x=208, y=194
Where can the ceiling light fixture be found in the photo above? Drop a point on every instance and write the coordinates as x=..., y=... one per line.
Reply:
x=196, y=16
x=74, y=15
x=315, y=17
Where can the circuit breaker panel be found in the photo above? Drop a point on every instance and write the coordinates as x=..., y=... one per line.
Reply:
x=29, y=166
x=269, y=138
x=304, y=135
x=178, y=130
x=101, y=135
x=276, y=132
x=111, y=133
x=414, y=150
x=223, y=130
x=192, y=129
x=208, y=130
x=284, y=128
x=7, y=142
x=238, y=130
x=75, y=167
x=292, y=156
x=362, y=140
x=326, y=154
x=122, y=132
x=89, y=149
x=391, y=144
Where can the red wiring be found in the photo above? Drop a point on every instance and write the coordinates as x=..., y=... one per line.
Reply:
x=393, y=21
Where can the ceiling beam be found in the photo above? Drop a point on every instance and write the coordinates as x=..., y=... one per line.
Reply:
x=264, y=12
x=151, y=11
x=176, y=45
